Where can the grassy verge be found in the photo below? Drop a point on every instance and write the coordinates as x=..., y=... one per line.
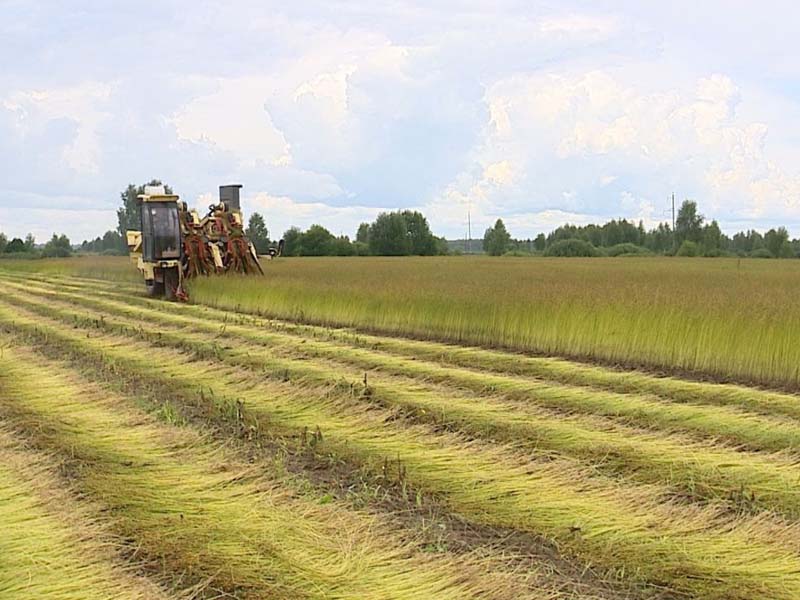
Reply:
x=189, y=506
x=109, y=268
x=52, y=544
x=709, y=471
x=695, y=550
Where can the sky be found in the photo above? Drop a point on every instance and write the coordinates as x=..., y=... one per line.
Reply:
x=539, y=113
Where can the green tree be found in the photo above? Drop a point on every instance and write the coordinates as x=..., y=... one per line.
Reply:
x=422, y=241
x=257, y=233
x=659, y=239
x=388, y=235
x=641, y=234
x=58, y=246
x=745, y=242
x=777, y=242
x=292, y=241
x=363, y=233
x=712, y=239
x=3, y=242
x=342, y=246
x=129, y=215
x=689, y=224
x=441, y=245
x=112, y=241
x=689, y=248
x=15, y=245
x=571, y=247
x=317, y=241
x=93, y=245
x=613, y=233
x=540, y=243
x=496, y=240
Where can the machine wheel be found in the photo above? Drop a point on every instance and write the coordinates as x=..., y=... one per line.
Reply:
x=155, y=289
x=171, y=282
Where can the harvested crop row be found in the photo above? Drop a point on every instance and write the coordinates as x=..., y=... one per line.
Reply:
x=695, y=550
x=754, y=431
x=748, y=480
x=549, y=369
x=188, y=505
x=52, y=544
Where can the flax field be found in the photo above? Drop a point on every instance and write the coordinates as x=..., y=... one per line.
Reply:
x=372, y=428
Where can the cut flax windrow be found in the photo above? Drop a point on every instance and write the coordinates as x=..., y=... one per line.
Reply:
x=747, y=480
x=693, y=550
x=52, y=545
x=197, y=511
x=755, y=430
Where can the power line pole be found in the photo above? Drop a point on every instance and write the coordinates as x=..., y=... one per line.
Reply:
x=469, y=230
x=674, y=237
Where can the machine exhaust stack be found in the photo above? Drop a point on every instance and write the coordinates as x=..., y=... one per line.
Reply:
x=229, y=195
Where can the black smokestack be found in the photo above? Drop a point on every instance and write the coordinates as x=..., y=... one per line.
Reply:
x=229, y=194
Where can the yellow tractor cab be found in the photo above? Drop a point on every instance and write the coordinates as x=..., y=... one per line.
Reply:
x=158, y=248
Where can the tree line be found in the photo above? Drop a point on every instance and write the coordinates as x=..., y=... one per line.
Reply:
x=57, y=246
x=399, y=233
x=406, y=232
x=693, y=235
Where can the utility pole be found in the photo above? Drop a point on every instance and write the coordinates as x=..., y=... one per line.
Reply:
x=469, y=229
x=674, y=237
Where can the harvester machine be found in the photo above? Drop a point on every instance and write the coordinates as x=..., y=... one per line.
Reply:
x=175, y=244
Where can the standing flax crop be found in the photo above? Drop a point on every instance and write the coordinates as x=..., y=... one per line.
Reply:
x=708, y=316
